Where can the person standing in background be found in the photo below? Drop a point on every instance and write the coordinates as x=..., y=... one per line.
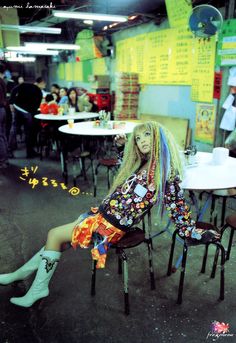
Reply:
x=3, y=137
x=20, y=80
x=55, y=89
x=63, y=96
x=25, y=101
x=40, y=83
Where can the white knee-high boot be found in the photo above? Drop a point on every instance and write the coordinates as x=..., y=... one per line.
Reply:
x=24, y=271
x=39, y=288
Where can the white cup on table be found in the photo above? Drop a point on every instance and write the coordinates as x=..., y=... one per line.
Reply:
x=220, y=155
x=71, y=110
x=70, y=123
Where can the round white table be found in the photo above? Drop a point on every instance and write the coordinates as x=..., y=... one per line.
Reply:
x=77, y=115
x=88, y=129
x=205, y=175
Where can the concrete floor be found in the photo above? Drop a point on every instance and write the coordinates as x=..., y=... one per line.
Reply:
x=70, y=314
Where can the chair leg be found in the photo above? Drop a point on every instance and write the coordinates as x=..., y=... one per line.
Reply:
x=92, y=168
x=93, y=280
x=230, y=244
x=119, y=259
x=169, y=270
x=222, y=272
x=108, y=177
x=212, y=212
x=83, y=168
x=126, y=281
x=213, y=272
x=223, y=210
x=74, y=171
x=150, y=229
x=150, y=261
x=204, y=259
x=182, y=275
x=95, y=181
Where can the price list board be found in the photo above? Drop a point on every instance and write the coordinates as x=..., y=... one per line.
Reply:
x=226, y=52
x=178, y=12
x=121, y=55
x=170, y=57
x=152, y=67
x=78, y=71
x=69, y=71
x=61, y=71
x=181, y=59
x=99, y=66
x=139, y=57
x=203, y=70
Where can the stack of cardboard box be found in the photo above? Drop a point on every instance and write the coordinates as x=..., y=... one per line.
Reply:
x=127, y=95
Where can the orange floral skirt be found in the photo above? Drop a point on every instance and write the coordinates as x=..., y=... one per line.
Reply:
x=97, y=230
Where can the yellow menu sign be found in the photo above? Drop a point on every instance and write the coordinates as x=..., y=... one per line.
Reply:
x=99, y=66
x=69, y=71
x=138, y=59
x=180, y=72
x=126, y=55
x=160, y=57
x=78, y=71
x=61, y=71
x=203, y=69
x=178, y=12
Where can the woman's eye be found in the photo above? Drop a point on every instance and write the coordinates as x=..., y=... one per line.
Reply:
x=147, y=133
x=137, y=138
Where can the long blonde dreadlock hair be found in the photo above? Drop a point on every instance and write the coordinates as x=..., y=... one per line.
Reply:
x=163, y=160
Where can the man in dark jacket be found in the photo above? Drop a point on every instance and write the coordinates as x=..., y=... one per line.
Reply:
x=3, y=137
x=25, y=101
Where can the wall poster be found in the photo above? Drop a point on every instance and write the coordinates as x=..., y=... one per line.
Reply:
x=205, y=123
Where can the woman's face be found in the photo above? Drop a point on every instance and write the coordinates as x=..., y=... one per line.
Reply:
x=20, y=80
x=72, y=95
x=62, y=92
x=143, y=140
x=54, y=96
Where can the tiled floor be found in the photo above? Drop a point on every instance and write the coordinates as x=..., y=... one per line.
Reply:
x=70, y=314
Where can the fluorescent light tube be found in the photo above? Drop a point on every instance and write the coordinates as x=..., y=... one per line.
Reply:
x=89, y=16
x=21, y=59
x=88, y=22
x=31, y=51
x=51, y=46
x=35, y=29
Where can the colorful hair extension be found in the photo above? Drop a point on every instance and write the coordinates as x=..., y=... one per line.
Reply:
x=163, y=161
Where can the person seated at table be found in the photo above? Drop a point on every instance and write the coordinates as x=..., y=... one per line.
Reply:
x=56, y=97
x=149, y=175
x=55, y=89
x=49, y=106
x=80, y=103
x=63, y=96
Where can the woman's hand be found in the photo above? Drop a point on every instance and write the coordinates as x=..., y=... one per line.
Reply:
x=120, y=140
